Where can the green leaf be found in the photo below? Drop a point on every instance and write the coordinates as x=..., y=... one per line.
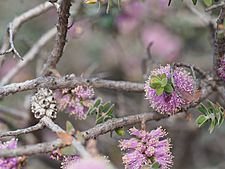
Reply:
x=100, y=109
x=168, y=88
x=106, y=106
x=68, y=150
x=110, y=110
x=155, y=85
x=164, y=82
x=120, y=131
x=211, y=128
x=163, y=76
x=155, y=79
x=214, y=114
x=155, y=165
x=159, y=91
x=194, y=2
x=208, y=2
x=203, y=109
x=97, y=102
x=201, y=120
x=92, y=111
x=104, y=116
x=69, y=128
x=221, y=121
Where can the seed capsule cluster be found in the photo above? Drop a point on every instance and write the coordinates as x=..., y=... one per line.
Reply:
x=44, y=104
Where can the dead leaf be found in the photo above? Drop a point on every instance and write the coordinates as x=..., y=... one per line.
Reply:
x=65, y=137
x=54, y=72
x=189, y=98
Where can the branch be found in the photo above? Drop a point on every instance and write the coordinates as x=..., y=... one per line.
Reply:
x=43, y=147
x=111, y=125
x=215, y=6
x=197, y=69
x=38, y=126
x=69, y=81
x=202, y=16
x=57, y=129
x=30, y=55
x=8, y=43
x=62, y=27
x=91, y=133
x=33, y=149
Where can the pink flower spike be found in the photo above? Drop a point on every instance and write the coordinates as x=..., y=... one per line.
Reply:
x=146, y=149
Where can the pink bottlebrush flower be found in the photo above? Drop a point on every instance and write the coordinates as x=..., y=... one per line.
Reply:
x=147, y=148
x=166, y=46
x=76, y=101
x=65, y=159
x=83, y=92
x=69, y=160
x=87, y=163
x=221, y=68
x=173, y=102
x=12, y=162
x=55, y=155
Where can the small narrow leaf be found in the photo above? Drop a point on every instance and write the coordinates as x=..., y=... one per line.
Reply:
x=194, y=2
x=203, y=109
x=106, y=106
x=159, y=91
x=163, y=76
x=211, y=128
x=201, y=120
x=97, y=102
x=155, y=79
x=155, y=85
x=120, y=131
x=68, y=150
x=164, y=82
x=155, y=165
x=168, y=88
x=90, y=1
x=69, y=128
x=208, y=2
x=65, y=137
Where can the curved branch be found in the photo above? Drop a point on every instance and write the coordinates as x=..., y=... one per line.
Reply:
x=111, y=125
x=38, y=126
x=69, y=81
x=8, y=43
x=33, y=149
x=30, y=55
x=100, y=129
x=62, y=27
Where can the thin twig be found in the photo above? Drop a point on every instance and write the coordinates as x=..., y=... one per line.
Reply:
x=111, y=125
x=197, y=69
x=215, y=6
x=33, y=149
x=202, y=16
x=8, y=42
x=57, y=129
x=30, y=55
x=91, y=133
x=38, y=126
x=62, y=27
x=70, y=81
